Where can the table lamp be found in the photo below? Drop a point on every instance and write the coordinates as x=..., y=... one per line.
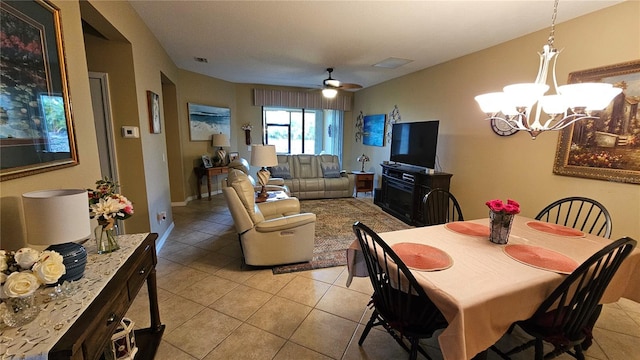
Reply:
x=59, y=219
x=263, y=156
x=363, y=159
x=220, y=140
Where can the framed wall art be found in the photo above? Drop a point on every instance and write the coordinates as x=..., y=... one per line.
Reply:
x=608, y=147
x=373, y=127
x=205, y=121
x=36, y=127
x=153, y=103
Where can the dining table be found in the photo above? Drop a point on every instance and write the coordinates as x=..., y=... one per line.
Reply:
x=486, y=287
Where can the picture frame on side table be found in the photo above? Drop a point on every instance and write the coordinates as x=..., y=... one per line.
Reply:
x=37, y=132
x=233, y=156
x=206, y=161
x=606, y=148
x=205, y=121
x=153, y=102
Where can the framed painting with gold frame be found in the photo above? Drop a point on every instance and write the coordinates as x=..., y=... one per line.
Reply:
x=606, y=148
x=36, y=127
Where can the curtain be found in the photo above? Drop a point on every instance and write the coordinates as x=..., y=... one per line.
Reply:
x=302, y=99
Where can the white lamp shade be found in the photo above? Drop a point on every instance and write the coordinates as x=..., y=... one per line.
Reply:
x=329, y=93
x=491, y=102
x=526, y=94
x=220, y=140
x=56, y=216
x=554, y=104
x=263, y=155
x=593, y=96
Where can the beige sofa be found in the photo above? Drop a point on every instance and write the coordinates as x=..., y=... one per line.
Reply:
x=314, y=176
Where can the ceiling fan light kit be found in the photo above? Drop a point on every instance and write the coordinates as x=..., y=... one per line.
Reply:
x=513, y=107
x=329, y=93
x=330, y=86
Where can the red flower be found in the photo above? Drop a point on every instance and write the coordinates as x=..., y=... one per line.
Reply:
x=511, y=207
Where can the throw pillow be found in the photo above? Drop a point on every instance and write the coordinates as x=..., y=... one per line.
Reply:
x=330, y=169
x=280, y=171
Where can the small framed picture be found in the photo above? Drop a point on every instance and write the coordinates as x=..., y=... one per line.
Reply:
x=153, y=100
x=233, y=156
x=206, y=161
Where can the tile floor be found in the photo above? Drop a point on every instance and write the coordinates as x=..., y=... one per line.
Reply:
x=214, y=309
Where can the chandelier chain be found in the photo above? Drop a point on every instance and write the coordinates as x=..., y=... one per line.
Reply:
x=553, y=24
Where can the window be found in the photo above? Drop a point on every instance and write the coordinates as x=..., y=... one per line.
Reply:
x=303, y=131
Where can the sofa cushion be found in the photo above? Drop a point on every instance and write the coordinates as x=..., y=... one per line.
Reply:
x=330, y=169
x=280, y=171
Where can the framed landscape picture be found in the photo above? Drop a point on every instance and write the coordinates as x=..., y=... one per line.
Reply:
x=36, y=128
x=205, y=121
x=608, y=147
x=373, y=128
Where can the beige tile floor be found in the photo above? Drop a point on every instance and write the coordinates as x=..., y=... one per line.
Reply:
x=214, y=309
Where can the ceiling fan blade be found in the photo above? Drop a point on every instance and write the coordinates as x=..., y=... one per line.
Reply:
x=348, y=86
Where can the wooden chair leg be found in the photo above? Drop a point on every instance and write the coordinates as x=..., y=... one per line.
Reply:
x=368, y=327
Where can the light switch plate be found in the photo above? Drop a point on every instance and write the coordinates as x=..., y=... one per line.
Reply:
x=130, y=132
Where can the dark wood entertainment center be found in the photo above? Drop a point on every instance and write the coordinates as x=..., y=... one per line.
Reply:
x=404, y=186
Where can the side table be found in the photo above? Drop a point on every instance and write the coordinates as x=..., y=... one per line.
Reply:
x=364, y=182
x=208, y=173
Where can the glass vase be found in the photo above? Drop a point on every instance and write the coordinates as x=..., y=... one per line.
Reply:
x=106, y=238
x=20, y=310
x=500, y=227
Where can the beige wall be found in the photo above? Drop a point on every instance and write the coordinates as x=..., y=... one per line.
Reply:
x=203, y=90
x=485, y=166
x=142, y=164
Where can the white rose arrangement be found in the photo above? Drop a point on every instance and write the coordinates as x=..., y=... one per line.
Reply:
x=22, y=272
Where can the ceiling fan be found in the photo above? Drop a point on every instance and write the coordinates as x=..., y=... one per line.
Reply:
x=330, y=85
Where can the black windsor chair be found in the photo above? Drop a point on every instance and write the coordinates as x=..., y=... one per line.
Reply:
x=580, y=213
x=563, y=317
x=439, y=206
x=400, y=304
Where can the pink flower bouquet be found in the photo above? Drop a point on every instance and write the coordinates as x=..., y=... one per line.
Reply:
x=511, y=207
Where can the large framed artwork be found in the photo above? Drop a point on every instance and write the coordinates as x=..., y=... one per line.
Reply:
x=205, y=121
x=606, y=148
x=36, y=127
x=373, y=127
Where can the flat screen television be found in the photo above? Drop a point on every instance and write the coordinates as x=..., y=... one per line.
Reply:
x=415, y=143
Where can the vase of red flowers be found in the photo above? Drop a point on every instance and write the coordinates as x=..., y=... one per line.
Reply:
x=501, y=218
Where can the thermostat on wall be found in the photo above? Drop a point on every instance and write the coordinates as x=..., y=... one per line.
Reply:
x=130, y=132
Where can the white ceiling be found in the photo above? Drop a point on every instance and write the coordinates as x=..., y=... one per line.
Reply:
x=292, y=42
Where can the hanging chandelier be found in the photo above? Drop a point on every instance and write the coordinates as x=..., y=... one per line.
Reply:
x=514, y=105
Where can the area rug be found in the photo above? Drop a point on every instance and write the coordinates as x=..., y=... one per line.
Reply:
x=334, y=233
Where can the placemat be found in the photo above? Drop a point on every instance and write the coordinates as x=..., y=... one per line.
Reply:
x=422, y=257
x=541, y=258
x=554, y=229
x=468, y=228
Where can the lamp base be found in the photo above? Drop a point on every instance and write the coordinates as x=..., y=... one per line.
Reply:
x=262, y=195
x=74, y=258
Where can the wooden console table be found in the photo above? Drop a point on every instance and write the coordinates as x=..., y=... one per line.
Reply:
x=79, y=326
x=208, y=173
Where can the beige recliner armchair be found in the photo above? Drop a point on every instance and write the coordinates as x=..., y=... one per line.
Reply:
x=273, y=232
